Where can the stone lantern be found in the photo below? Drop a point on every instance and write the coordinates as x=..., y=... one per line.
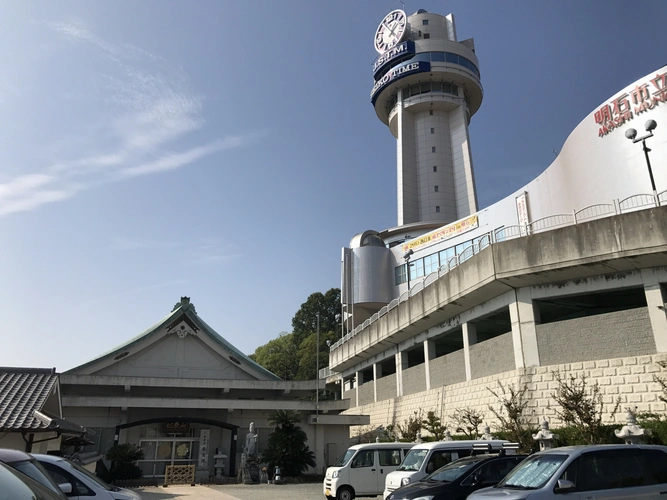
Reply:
x=487, y=436
x=448, y=436
x=545, y=436
x=632, y=433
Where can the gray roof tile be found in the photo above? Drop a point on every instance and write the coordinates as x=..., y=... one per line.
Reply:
x=22, y=392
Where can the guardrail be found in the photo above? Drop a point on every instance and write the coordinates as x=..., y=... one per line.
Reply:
x=504, y=233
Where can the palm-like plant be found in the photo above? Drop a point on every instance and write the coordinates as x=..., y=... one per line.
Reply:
x=122, y=458
x=287, y=446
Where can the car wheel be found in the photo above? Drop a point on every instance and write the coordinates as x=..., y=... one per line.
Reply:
x=345, y=493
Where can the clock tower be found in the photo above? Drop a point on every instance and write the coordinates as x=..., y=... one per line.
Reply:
x=426, y=89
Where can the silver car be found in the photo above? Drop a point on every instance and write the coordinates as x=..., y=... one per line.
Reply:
x=586, y=472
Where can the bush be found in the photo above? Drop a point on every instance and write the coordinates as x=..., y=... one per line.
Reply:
x=287, y=447
x=122, y=458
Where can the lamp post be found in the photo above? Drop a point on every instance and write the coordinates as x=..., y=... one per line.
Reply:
x=407, y=256
x=631, y=134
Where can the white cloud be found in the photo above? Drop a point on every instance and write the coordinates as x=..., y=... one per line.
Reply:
x=146, y=116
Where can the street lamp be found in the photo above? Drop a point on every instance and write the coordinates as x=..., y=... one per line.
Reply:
x=407, y=256
x=631, y=134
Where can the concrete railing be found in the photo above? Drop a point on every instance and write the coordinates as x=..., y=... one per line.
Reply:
x=504, y=233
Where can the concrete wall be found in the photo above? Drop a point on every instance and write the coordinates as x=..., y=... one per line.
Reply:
x=366, y=393
x=603, y=336
x=351, y=395
x=492, y=356
x=448, y=369
x=414, y=379
x=386, y=387
x=631, y=378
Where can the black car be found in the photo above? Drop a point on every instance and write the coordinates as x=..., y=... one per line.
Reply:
x=458, y=479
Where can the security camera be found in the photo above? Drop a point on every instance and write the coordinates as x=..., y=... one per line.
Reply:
x=408, y=253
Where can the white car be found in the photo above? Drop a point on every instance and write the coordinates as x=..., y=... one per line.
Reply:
x=425, y=458
x=84, y=483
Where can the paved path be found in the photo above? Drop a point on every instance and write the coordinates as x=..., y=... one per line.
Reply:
x=236, y=492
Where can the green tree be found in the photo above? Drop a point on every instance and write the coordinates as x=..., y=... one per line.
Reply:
x=306, y=355
x=581, y=406
x=287, y=446
x=279, y=356
x=434, y=426
x=123, y=458
x=467, y=422
x=304, y=321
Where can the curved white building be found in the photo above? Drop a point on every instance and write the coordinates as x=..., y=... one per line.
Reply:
x=568, y=273
x=427, y=86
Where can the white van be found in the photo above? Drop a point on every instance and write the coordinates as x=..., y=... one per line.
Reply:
x=425, y=458
x=361, y=471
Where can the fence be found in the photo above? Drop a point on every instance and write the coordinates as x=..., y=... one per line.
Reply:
x=504, y=233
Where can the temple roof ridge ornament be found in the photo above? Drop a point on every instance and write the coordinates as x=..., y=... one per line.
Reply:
x=185, y=305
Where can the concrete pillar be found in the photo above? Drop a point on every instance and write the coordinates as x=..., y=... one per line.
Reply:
x=429, y=354
x=399, y=373
x=377, y=373
x=469, y=338
x=357, y=381
x=524, y=334
x=655, y=300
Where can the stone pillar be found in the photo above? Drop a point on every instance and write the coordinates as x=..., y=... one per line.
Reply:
x=357, y=381
x=377, y=373
x=655, y=301
x=429, y=354
x=469, y=338
x=524, y=334
x=399, y=373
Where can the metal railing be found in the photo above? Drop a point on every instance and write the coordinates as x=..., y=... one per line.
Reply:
x=505, y=233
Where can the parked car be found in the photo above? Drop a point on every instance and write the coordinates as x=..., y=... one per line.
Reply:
x=456, y=480
x=28, y=465
x=600, y=471
x=362, y=469
x=84, y=483
x=15, y=485
x=425, y=458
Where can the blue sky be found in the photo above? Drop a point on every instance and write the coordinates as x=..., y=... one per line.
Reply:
x=227, y=150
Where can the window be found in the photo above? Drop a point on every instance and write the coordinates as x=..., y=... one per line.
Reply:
x=60, y=476
x=491, y=473
x=437, y=209
x=426, y=36
x=424, y=22
x=445, y=255
x=431, y=264
x=656, y=466
x=433, y=149
x=435, y=188
x=417, y=269
x=432, y=130
x=609, y=469
x=400, y=275
x=365, y=458
x=389, y=458
x=435, y=168
x=430, y=112
x=437, y=460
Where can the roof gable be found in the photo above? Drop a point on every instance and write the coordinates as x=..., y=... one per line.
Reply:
x=23, y=391
x=180, y=345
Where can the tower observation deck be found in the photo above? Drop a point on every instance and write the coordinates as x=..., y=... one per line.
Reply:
x=427, y=87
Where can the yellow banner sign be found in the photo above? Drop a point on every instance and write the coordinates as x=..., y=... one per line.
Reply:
x=444, y=233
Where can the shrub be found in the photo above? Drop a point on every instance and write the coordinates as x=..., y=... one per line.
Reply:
x=122, y=458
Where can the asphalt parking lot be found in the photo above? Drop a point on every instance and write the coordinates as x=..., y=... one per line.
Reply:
x=311, y=491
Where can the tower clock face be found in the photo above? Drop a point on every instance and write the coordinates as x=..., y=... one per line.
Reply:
x=391, y=30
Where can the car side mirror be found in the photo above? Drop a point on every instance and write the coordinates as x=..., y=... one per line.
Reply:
x=563, y=486
x=66, y=488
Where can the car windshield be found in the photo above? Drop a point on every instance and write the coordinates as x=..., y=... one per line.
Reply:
x=17, y=486
x=413, y=460
x=33, y=469
x=454, y=470
x=532, y=473
x=342, y=461
x=87, y=473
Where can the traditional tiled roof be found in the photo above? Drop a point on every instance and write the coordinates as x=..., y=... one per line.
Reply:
x=22, y=392
x=182, y=311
